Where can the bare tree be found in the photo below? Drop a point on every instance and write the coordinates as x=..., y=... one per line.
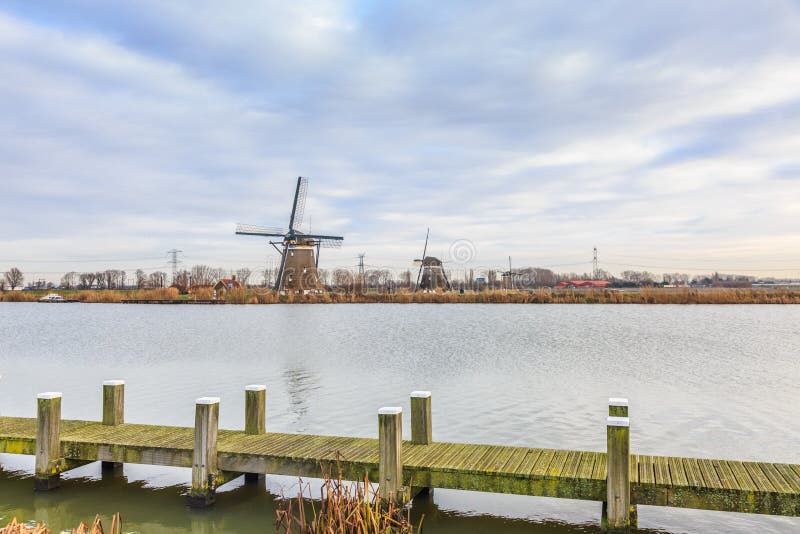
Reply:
x=157, y=279
x=182, y=279
x=69, y=280
x=202, y=275
x=243, y=275
x=141, y=279
x=14, y=278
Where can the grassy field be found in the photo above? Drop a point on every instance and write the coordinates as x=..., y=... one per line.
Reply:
x=538, y=296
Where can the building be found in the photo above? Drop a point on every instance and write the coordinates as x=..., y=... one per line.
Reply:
x=226, y=284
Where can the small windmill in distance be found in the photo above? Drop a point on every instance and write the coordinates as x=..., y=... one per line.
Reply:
x=298, y=267
x=508, y=276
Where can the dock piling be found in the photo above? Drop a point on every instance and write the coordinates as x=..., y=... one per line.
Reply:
x=618, y=497
x=390, y=453
x=255, y=415
x=48, y=445
x=421, y=425
x=113, y=413
x=204, y=458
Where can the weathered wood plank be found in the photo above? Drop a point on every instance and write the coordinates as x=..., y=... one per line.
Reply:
x=677, y=473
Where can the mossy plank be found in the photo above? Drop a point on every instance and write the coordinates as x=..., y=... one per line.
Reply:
x=694, y=477
x=661, y=469
x=677, y=473
x=646, y=469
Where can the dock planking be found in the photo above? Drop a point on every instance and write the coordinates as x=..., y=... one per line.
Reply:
x=711, y=484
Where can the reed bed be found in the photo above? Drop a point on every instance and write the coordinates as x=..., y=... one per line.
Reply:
x=95, y=528
x=644, y=295
x=342, y=508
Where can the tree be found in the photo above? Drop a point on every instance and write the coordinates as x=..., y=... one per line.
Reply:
x=141, y=279
x=14, y=278
x=159, y=278
x=69, y=280
x=243, y=275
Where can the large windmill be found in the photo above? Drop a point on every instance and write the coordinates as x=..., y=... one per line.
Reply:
x=431, y=275
x=299, y=262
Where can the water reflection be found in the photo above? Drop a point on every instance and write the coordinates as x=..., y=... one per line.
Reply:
x=300, y=385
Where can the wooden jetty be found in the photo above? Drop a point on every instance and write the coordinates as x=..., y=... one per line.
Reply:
x=402, y=469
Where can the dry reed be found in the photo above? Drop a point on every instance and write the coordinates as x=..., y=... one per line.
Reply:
x=96, y=527
x=342, y=508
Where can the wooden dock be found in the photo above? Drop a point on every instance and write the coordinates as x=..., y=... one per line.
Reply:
x=402, y=468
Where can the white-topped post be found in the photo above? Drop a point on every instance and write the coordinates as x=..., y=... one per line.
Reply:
x=421, y=423
x=204, y=462
x=618, y=498
x=618, y=407
x=255, y=417
x=255, y=409
x=113, y=413
x=390, y=453
x=48, y=441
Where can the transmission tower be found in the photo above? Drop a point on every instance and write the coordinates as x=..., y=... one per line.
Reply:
x=595, y=269
x=361, y=264
x=174, y=261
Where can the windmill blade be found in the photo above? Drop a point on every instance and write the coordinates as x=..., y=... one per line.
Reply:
x=330, y=243
x=318, y=236
x=299, y=207
x=252, y=229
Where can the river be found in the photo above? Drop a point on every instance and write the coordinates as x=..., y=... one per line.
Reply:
x=703, y=381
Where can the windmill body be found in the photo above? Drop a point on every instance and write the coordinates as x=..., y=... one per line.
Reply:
x=299, y=251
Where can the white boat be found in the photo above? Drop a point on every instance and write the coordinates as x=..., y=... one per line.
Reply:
x=52, y=297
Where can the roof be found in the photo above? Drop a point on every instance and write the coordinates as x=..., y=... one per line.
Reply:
x=228, y=282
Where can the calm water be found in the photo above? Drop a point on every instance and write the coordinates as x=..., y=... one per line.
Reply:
x=707, y=381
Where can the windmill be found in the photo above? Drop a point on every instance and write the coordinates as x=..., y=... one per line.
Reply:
x=508, y=276
x=431, y=274
x=298, y=267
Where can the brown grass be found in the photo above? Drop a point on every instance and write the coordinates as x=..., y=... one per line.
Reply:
x=342, y=508
x=18, y=296
x=643, y=295
x=96, y=527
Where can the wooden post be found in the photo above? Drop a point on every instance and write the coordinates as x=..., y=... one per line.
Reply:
x=255, y=410
x=48, y=442
x=204, y=463
x=618, y=407
x=390, y=453
x=618, y=497
x=421, y=426
x=113, y=413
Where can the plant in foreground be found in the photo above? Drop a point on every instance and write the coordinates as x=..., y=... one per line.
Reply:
x=96, y=527
x=343, y=507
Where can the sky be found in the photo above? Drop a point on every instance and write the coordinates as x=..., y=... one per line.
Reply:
x=666, y=134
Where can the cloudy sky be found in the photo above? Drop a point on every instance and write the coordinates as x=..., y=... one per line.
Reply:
x=667, y=134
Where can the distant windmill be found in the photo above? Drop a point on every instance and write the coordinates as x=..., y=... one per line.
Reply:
x=431, y=273
x=508, y=276
x=298, y=268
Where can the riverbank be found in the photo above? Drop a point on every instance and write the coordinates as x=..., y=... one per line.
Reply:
x=537, y=296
